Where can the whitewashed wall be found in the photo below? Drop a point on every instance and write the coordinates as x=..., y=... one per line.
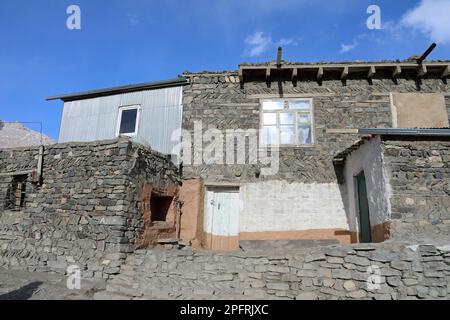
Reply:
x=368, y=157
x=283, y=206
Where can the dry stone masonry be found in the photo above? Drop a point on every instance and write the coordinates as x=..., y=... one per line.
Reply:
x=85, y=210
x=419, y=177
x=394, y=271
x=218, y=101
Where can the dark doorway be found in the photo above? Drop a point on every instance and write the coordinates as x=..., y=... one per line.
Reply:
x=159, y=207
x=365, y=234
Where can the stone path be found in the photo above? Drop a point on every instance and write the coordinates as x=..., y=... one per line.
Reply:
x=22, y=285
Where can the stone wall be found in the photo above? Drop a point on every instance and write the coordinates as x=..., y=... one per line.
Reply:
x=333, y=272
x=218, y=101
x=419, y=178
x=85, y=211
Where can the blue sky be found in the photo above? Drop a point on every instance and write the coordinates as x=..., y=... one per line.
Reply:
x=123, y=42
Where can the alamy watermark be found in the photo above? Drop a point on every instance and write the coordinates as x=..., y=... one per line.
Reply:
x=374, y=280
x=227, y=147
x=73, y=277
x=74, y=19
x=374, y=20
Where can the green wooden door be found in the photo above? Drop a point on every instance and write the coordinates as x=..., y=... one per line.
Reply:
x=365, y=234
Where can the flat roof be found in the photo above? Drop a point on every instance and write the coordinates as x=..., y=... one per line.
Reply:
x=344, y=70
x=118, y=90
x=369, y=133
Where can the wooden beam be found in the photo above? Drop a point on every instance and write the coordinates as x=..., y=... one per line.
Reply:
x=294, y=74
x=422, y=71
x=339, y=66
x=371, y=73
x=268, y=74
x=279, y=54
x=16, y=173
x=344, y=73
x=446, y=72
x=397, y=72
x=241, y=75
x=319, y=73
x=425, y=55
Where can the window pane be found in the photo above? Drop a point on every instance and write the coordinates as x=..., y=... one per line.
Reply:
x=299, y=105
x=286, y=118
x=272, y=105
x=287, y=135
x=270, y=119
x=304, y=134
x=128, y=121
x=304, y=118
x=270, y=135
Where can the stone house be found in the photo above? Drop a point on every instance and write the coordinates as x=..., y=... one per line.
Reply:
x=265, y=152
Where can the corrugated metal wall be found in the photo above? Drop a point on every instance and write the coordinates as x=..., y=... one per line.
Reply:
x=96, y=119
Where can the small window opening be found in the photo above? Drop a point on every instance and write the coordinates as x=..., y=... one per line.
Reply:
x=15, y=199
x=128, y=120
x=159, y=207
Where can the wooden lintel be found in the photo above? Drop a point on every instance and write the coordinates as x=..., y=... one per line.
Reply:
x=319, y=73
x=294, y=74
x=268, y=74
x=344, y=73
x=422, y=71
x=16, y=173
x=397, y=72
x=371, y=73
x=446, y=72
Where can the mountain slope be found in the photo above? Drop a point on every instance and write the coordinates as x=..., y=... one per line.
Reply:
x=14, y=135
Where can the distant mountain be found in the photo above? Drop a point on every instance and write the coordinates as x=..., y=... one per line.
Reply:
x=15, y=135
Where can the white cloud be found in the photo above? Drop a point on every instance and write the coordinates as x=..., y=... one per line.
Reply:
x=348, y=47
x=286, y=42
x=133, y=19
x=431, y=17
x=260, y=42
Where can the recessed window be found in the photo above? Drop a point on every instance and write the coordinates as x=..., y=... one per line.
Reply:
x=128, y=120
x=16, y=193
x=159, y=207
x=287, y=122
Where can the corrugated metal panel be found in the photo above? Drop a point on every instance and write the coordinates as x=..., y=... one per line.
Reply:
x=96, y=119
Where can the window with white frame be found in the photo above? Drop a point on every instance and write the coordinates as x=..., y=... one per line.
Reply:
x=128, y=121
x=287, y=122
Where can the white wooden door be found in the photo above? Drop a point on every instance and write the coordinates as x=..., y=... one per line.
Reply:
x=222, y=219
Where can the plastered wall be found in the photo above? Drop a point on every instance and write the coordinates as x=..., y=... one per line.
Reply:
x=282, y=206
x=419, y=110
x=368, y=158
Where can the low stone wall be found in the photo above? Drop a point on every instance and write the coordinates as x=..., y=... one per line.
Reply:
x=85, y=211
x=332, y=272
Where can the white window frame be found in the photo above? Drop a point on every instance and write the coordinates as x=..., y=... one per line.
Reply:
x=138, y=118
x=278, y=125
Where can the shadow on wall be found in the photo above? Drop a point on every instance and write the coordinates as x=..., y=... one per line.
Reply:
x=339, y=171
x=24, y=293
